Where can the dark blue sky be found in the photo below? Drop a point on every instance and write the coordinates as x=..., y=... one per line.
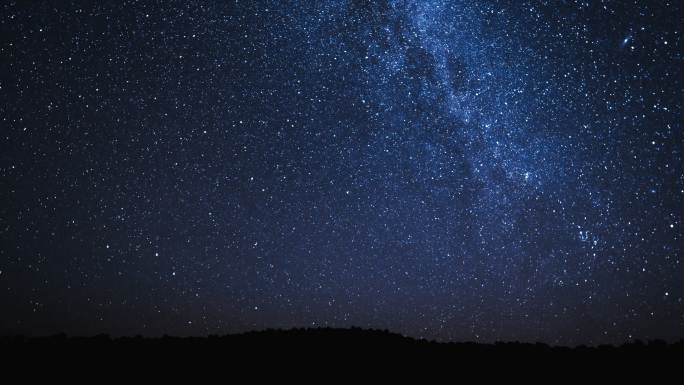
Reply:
x=456, y=170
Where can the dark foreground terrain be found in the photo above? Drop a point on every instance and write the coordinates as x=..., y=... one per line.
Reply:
x=321, y=344
x=328, y=356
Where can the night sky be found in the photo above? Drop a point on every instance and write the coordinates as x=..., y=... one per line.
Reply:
x=454, y=170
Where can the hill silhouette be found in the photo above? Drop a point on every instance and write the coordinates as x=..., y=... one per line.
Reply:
x=325, y=341
x=324, y=354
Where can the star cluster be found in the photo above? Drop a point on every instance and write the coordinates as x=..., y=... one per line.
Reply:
x=455, y=170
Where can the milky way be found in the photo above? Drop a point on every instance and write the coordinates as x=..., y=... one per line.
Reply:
x=454, y=170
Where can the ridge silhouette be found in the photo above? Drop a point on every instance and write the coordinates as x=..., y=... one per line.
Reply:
x=326, y=353
x=336, y=340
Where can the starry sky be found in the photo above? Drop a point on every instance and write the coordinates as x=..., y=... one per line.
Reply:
x=453, y=170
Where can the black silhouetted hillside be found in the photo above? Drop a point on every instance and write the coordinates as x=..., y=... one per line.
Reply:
x=327, y=354
x=324, y=342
